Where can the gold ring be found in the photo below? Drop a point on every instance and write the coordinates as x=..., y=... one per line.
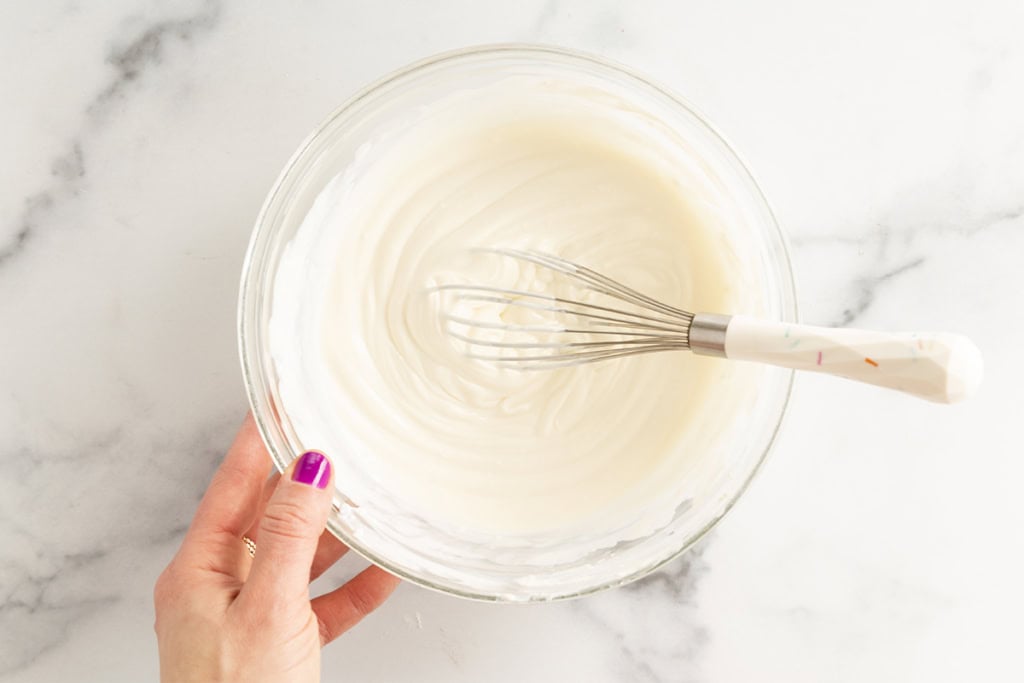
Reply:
x=250, y=545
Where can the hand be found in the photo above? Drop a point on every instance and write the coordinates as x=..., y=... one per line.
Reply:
x=223, y=616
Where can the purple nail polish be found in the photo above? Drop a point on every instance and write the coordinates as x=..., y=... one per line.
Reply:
x=313, y=469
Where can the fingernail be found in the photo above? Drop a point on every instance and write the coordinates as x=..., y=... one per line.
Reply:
x=313, y=469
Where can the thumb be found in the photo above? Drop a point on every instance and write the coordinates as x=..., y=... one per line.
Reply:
x=292, y=522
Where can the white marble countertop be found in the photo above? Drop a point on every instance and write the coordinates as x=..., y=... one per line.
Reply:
x=883, y=540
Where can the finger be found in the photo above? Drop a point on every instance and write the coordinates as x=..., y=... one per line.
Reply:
x=344, y=607
x=244, y=564
x=328, y=551
x=268, y=490
x=229, y=502
x=289, y=531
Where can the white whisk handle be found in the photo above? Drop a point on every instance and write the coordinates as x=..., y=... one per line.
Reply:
x=939, y=367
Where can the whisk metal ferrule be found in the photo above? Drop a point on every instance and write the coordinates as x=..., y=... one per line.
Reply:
x=707, y=334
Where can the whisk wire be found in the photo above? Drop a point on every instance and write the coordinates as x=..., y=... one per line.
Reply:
x=596, y=281
x=513, y=297
x=543, y=362
x=654, y=327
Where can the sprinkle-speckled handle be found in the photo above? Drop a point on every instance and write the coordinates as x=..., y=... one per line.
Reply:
x=939, y=367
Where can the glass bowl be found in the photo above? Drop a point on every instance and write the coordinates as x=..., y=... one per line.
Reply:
x=520, y=570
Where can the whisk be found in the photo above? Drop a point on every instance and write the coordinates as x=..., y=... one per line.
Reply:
x=540, y=331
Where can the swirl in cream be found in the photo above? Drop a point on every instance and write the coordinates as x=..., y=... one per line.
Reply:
x=368, y=374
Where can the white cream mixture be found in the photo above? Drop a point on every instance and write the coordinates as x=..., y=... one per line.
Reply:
x=368, y=375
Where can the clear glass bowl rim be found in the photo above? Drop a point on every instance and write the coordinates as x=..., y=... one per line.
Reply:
x=248, y=312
